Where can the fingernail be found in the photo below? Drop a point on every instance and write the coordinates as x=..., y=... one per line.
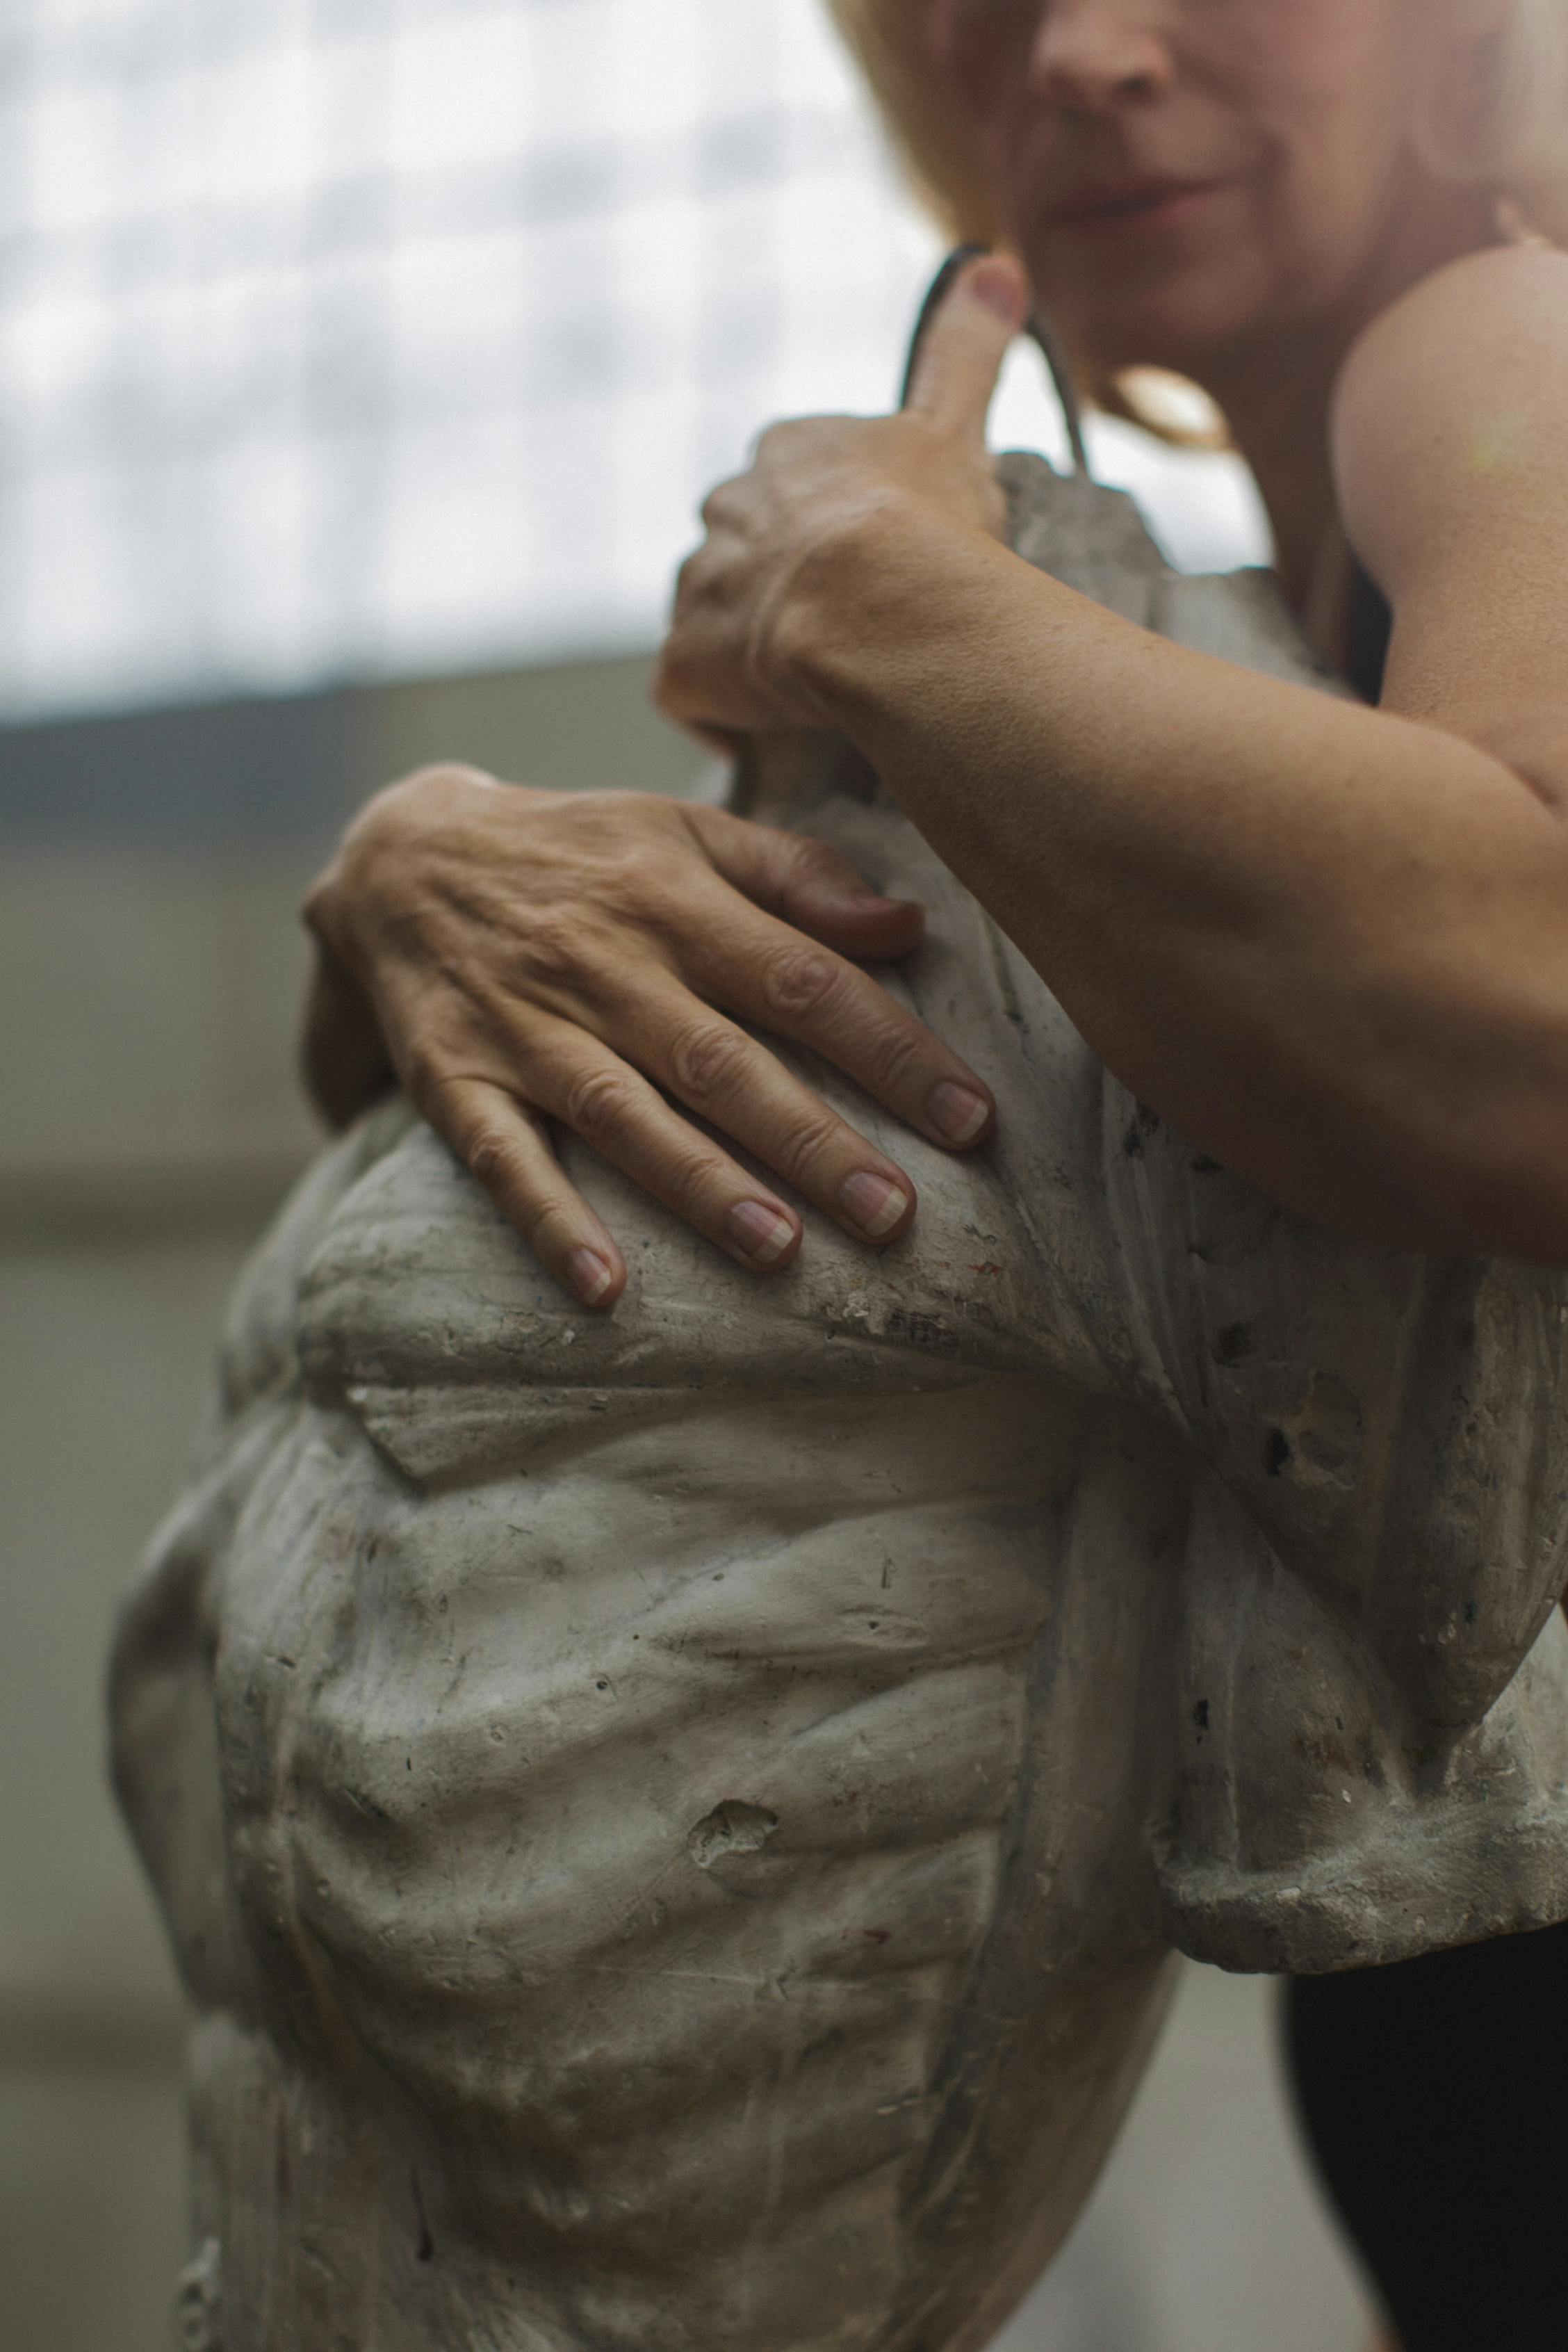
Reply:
x=957, y=1113
x=589, y=1275
x=873, y=1203
x=997, y=286
x=761, y=1231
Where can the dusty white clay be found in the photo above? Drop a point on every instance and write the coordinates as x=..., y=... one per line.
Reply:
x=673, y=1823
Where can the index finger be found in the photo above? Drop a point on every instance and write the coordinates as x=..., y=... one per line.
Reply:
x=763, y=971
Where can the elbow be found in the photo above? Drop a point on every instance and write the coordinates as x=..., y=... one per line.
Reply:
x=1441, y=1124
x=1484, y=1186
x=1468, y=1165
x=1488, y=1164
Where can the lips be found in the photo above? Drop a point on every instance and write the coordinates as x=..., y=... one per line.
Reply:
x=1132, y=203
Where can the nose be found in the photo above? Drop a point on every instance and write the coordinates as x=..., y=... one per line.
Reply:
x=1095, y=55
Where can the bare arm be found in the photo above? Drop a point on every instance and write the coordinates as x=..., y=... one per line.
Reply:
x=1329, y=944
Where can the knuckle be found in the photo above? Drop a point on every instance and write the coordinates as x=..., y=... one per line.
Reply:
x=810, y=860
x=598, y=1105
x=437, y=778
x=401, y=822
x=566, y=960
x=803, y=1144
x=549, y=1228
x=708, y=1060
x=690, y=1183
x=490, y=1156
x=551, y=946
x=718, y=502
x=627, y=871
x=800, y=981
x=415, y=800
x=427, y=1084
x=896, y=1055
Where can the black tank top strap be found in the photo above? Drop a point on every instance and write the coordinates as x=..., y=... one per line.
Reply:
x=1369, y=623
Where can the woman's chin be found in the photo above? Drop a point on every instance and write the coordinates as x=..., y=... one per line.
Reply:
x=1180, y=322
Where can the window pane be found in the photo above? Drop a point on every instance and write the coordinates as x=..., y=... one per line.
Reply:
x=341, y=336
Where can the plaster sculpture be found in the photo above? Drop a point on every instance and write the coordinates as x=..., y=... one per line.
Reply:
x=673, y=1823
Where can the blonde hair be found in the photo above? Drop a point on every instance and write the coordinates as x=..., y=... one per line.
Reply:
x=1509, y=131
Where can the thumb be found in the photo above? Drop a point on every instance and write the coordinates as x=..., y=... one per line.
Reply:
x=955, y=373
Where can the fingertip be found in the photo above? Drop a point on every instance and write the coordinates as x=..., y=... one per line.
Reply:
x=955, y=377
x=880, y=1207
x=763, y=1235
x=872, y=903
x=999, y=286
x=868, y=926
x=906, y=916
x=594, y=1277
x=963, y=1116
x=889, y=943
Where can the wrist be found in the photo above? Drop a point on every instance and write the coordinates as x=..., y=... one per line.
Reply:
x=895, y=573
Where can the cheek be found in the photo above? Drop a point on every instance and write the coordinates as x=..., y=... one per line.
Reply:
x=1324, y=94
x=1331, y=79
x=980, y=50
x=1325, y=45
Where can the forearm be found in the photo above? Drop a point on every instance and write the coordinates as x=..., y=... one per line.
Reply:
x=1329, y=945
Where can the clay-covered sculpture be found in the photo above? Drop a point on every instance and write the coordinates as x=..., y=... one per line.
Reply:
x=673, y=1823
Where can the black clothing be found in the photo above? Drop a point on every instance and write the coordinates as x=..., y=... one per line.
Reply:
x=1434, y=2093
x=1433, y=2097
x=1369, y=624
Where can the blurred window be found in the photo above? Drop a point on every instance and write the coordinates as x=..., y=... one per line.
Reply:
x=347, y=338
x=357, y=337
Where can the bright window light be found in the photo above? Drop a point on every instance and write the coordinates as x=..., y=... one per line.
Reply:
x=356, y=338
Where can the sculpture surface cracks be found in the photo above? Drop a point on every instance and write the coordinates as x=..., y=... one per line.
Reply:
x=672, y=1823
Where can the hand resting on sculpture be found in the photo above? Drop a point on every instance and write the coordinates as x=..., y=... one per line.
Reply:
x=512, y=955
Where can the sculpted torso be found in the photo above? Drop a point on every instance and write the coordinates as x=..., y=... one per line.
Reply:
x=674, y=1822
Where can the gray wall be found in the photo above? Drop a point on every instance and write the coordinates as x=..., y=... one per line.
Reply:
x=149, y=967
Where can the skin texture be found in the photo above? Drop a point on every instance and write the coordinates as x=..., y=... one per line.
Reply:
x=1328, y=944
x=528, y=954
x=1347, y=975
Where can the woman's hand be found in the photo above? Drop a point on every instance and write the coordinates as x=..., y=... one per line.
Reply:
x=725, y=667
x=513, y=955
